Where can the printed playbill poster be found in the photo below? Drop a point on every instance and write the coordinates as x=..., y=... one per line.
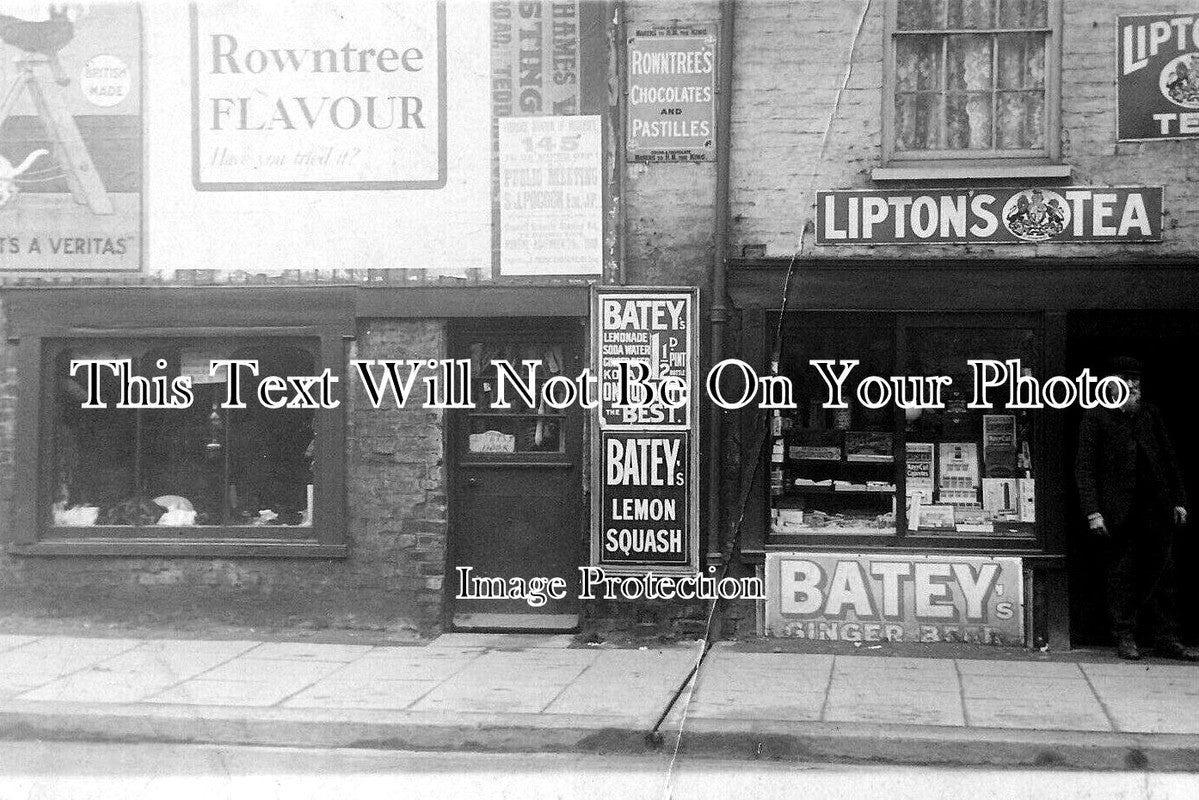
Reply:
x=71, y=137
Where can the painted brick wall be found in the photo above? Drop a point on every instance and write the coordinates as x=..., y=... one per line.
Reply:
x=670, y=207
x=791, y=56
x=396, y=510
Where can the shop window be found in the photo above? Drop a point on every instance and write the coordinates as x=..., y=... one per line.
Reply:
x=972, y=79
x=891, y=473
x=969, y=471
x=833, y=471
x=195, y=468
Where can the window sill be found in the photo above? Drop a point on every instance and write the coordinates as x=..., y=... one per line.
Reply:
x=198, y=548
x=960, y=172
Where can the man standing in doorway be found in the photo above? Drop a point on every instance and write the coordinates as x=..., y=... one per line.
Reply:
x=1133, y=496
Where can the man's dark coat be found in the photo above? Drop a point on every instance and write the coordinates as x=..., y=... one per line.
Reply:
x=1106, y=467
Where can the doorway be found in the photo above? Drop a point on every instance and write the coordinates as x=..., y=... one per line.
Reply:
x=1156, y=339
x=516, y=501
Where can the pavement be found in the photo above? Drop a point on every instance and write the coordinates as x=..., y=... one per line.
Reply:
x=526, y=693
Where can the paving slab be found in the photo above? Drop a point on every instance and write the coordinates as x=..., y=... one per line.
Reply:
x=412, y=668
x=504, y=641
x=858, y=704
x=387, y=694
x=225, y=693
x=8, y=641
x=308, y=651
x=288, y=672
x=1039, y=669
x=46, y=656
x=90, y=687
x=165, y=664
x=1073, y=714
x=466, y=693
x=1021, y=688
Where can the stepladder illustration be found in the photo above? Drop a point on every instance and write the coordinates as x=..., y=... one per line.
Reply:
x=40, y=75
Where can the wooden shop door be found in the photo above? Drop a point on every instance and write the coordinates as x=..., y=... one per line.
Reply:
x=517, y=508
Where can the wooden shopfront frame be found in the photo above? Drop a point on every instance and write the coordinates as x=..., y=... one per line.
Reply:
x=1045, y=290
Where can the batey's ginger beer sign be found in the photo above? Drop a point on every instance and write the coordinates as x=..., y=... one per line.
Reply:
x=895, y=597
x=319, y=95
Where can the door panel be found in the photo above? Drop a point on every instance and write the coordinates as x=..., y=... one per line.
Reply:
x=517, y=501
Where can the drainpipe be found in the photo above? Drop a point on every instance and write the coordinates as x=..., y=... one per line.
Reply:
x=621, y=51
x=720, y=311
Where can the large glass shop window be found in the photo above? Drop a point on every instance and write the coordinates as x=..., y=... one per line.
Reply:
x=969, y=471
x=833, y=471
x=860, y=472
x=202, y=465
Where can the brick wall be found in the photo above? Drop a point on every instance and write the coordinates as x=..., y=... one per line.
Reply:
x=670, y=207
x=791, y=57
x=396, y=531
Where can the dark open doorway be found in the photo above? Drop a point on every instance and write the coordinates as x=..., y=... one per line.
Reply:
x=1163, y=341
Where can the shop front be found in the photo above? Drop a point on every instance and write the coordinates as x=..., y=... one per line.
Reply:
x=937, y=524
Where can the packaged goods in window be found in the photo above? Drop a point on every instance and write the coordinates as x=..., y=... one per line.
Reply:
x=937, y=518
x=958, y=465
x=848, y=523
x=917, y=500
x=999, y=445
x=868, y=446
x=919, y=468
x=807, y=482
x=1001, y=498
x=814, y=445
x=973, y=519
x=1028, y=499
x=786, y=520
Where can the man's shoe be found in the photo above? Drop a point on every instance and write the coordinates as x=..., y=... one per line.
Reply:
x=1175, y=650
x=1127, y=649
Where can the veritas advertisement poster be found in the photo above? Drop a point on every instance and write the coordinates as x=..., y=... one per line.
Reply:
x=71, y=141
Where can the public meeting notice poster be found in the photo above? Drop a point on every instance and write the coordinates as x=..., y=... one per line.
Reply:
x=1158, y=79
x=71, y=142
x=645, y=474
x=551, y=196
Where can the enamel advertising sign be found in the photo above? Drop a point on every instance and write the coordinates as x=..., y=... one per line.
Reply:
x=71, y=134
x=672, y=93
x=645, y=499
x=355, y=98
x=645, y=340
x=997, y=216
x=901, y=597
x=1158, y=80
x=645, y=442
